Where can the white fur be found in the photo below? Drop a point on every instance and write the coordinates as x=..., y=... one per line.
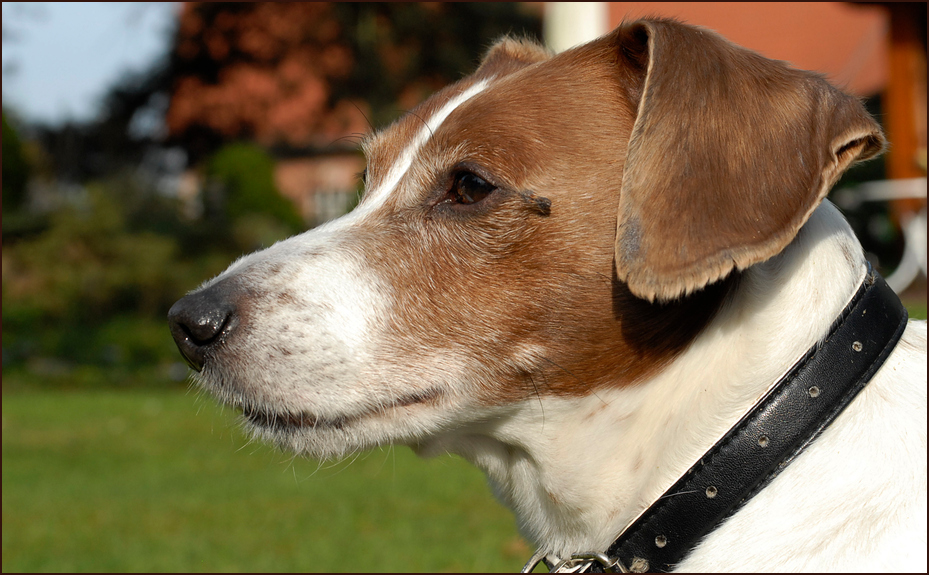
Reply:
x=327, y=326
x=867, y=473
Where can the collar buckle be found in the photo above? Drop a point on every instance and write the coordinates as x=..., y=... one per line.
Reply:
x=577, y=563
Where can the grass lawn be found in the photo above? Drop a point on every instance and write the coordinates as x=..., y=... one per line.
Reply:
x=159, y=480
x=150, y=478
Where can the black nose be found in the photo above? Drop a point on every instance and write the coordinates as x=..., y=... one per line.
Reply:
x=202, y=320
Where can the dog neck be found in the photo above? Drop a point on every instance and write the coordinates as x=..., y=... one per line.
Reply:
x=577, y=471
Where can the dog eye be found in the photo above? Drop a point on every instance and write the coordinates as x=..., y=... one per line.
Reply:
x=469, y=188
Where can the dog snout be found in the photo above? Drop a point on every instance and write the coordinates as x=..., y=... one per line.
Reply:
x=201, y=321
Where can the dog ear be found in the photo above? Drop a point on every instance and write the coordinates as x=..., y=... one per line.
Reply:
x=729, y=155
x=510, y=54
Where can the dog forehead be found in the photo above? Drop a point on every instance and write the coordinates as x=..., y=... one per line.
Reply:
x=392, y=152
x=514, y=124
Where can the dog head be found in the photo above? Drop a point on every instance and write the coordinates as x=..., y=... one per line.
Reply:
x=549, y=225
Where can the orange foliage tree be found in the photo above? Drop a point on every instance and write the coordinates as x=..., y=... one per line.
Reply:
x=307, y=74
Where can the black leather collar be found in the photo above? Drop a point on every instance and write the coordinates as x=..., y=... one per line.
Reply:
x=787, y=419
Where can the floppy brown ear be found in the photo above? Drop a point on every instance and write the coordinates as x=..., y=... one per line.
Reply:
x=729, y=155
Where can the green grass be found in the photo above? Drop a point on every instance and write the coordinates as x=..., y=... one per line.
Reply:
x=149, y=480
x=916, y=309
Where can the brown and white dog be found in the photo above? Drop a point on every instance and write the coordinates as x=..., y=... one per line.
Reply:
x=578, y=272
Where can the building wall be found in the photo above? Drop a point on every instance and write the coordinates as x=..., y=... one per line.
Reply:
x=847, y=42
x=322, y=187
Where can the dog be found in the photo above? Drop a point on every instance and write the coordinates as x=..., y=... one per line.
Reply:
x=579, y=272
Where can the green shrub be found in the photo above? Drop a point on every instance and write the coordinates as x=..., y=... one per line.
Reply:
x=87, y=266
x=63, y=288
x=15, y=169
x=240, y=184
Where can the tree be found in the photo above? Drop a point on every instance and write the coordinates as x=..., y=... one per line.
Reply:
x=15, y=169
x=81, y=151
x=241, y=197
x=307, y=74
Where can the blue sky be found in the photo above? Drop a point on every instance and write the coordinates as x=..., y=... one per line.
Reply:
x=60, y=58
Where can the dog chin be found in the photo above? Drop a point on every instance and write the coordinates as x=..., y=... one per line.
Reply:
x=334, y=436
x=317, y=442
x=331, y=442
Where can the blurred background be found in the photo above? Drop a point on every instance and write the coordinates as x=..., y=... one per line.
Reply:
x=147, y=145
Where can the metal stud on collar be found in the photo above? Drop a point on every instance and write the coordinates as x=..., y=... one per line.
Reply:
x=577, y=563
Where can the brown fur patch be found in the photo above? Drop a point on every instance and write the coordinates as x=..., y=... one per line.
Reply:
x=714, y=156
x=527, y=297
